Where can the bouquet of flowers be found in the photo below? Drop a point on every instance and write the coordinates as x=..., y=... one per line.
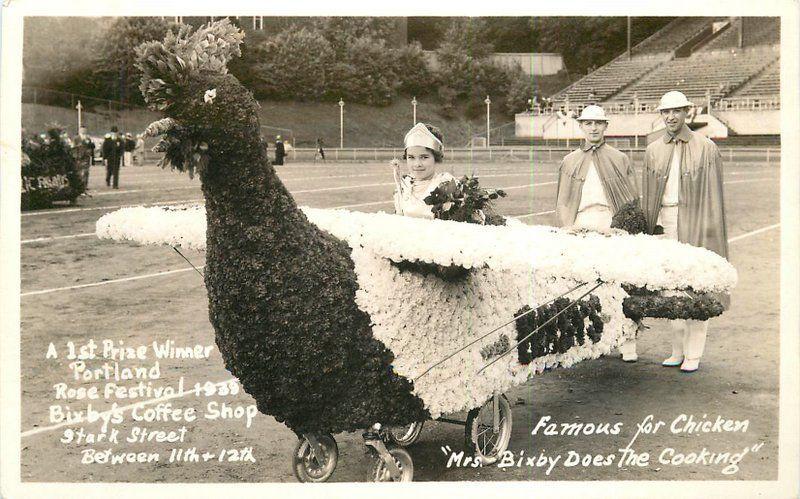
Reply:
x=464, y=200
x=630, y=218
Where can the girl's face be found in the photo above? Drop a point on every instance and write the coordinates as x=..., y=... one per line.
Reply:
x=421, y=163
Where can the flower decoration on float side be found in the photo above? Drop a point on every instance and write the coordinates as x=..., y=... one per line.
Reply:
x=422, y=318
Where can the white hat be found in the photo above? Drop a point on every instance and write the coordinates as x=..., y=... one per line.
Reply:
x=593, y=113
x=419, y=135
x=673, y=100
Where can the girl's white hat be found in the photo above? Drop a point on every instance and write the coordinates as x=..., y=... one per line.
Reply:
x=419, y=135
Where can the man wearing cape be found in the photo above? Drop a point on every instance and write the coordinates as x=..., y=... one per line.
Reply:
x=594, y=182
x=579, y=191
x=682, y=191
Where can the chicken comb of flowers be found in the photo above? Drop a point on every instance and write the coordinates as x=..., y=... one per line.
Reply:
x=167, y=65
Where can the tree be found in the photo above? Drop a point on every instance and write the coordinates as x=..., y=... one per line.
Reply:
x=411, y=67
x=520, y=88
x=116, y=65
x=366, y=73
x=294, y=65
x=246, y=67
x=341, y=32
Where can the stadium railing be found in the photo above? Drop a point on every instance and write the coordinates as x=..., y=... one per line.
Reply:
x=533, y=154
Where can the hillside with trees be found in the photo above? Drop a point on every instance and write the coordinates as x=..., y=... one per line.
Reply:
x=314, y=62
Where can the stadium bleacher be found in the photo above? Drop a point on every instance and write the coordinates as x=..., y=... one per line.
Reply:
x=609, y=79
x=765, y=84
x=695, y=76
x=759, y=31
x=674, y=34
x=740, y=59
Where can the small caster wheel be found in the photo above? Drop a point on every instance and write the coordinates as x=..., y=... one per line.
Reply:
x=310, y=467
x=405, y=435
x=381, y=473
x=481, y=438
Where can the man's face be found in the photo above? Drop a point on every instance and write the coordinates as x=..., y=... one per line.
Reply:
x=82, y=130
x=674, y=118
x=594, y=130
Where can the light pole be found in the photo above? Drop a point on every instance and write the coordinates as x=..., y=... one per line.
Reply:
x=414, y=107
x=488, y=102
x=341, y=124
x=79, y=107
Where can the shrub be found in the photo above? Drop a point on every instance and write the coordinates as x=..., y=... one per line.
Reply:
x=366, y=74
x=294, y=65
x=413, y=74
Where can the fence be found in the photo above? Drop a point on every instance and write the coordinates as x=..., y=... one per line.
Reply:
x=769, y=155
x=42, y=106
x=768, y=102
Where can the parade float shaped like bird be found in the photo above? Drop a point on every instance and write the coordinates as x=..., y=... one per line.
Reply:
x=313, y=312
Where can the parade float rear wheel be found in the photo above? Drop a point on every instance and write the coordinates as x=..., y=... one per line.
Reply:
x=308, y=466
x=405, y=435
x=481, y=438
x=380, y=472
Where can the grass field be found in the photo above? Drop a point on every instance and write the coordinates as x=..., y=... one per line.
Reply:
x=76, y=287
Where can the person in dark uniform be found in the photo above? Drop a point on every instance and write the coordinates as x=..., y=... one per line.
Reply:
x=83, y=151
x=320, y=150
x=113, y=149
x=280, y=151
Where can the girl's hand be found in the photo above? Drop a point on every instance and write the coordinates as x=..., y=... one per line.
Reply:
x=395, y=164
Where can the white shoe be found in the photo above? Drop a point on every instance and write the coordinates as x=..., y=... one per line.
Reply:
x=628, y=351
x=672, y=361
x=690, y=365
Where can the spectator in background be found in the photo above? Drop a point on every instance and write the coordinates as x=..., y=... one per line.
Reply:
x=65, y=138
x=287, y=146
x=113, y=149
x=129, y=146
x=280, y=150
x=83, y=152
x=138, y=151
x=592, y=97
x=320, y=151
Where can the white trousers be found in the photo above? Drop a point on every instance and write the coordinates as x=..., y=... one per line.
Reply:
x=595, y=217
x=668, y=218
x=688, y=337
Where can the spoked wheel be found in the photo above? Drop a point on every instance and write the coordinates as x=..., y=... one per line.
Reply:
x=405, y=435
x=308, y=466
x=483, y=438
x=380, y=473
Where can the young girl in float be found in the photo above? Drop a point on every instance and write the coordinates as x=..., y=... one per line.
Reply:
x=594, y=182
x=424, y=150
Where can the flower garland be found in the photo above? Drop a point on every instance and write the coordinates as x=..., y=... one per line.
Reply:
x=557, y=336
x=685, y=305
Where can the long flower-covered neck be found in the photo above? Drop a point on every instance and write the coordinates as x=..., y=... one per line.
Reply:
x=240, y=186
